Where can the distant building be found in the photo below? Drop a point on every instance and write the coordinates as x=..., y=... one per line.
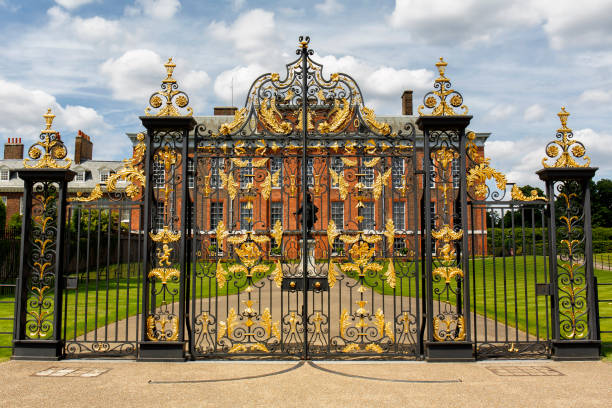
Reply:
x=89, y=172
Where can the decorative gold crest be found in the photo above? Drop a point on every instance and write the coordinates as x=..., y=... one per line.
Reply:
x=174, y=98
x=567, y=156
x=51, y=146
x=437, y=100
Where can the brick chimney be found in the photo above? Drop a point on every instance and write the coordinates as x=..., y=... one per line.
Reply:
x=225, y=110
x=13, y=148
x=83, y=148
x=407, y=102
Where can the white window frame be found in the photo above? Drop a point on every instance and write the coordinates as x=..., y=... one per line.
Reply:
x=159, y=174
x=244, y=213
x=366, y=176
x=247, y=174
x=276, y=163
x=5, y=174
x=216, y=164
x=398, y=170
x=336, y=164
x=455, y=173
x=190, y=173
x=335, y=205
x=395, y=206
x=214, y=214
x=366, y=207
x=276, y=205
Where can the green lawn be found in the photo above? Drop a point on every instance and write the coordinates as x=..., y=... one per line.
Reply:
x=105, y=298
x=119, y=294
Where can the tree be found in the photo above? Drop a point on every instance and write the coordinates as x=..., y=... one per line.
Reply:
x=601, y=203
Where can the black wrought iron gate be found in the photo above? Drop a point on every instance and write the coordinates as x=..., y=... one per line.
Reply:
x=306, y=227
x=265, y=281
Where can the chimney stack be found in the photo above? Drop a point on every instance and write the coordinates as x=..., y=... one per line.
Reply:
x=225, y=110
x=407, y=102
x=13, y=148
x=83, y=148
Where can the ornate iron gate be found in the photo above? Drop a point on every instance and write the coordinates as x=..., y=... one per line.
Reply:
x=265, y=281
x=307, y=228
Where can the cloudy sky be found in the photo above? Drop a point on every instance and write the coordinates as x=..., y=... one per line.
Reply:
x=95, y=62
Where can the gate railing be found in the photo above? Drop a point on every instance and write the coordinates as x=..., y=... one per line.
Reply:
x=309, y=117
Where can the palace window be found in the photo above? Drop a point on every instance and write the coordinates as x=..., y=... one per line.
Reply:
x=367, y=212
x=399, y=215
x=276, y=164
x=160, y=212
x=336, y=165
x=217, y=164
x=80, y=176
x=105, y=174
x=456, y=179
x=246, y=174
x=337, y=213
x=216, y=214
x=397, y=171
x=309, y=172
x=276, y=213
x=399, y=246
x=366, y=175
x=246, y=215
x=159, y=174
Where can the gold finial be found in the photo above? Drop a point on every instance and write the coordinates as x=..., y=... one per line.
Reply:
x=169, y=69
x=567, y=156
x=441, y=68
x=49, y=122
x=437, y=100
x=49, y=149
x=172, y=95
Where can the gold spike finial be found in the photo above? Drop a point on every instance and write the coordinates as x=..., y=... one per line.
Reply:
x=566, y=157
x=442, y=100
x=169, y=70
x=174, y=98
x=49, y=149
x=49, y=122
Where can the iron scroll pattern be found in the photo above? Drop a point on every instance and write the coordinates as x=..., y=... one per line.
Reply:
x=447, y=274
x=41, y=280
x=163, y=279
x=248, y=255
x=571, y=266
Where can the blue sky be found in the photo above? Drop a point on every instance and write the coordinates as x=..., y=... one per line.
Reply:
x=516, y=63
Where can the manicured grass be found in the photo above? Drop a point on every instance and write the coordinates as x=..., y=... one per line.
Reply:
x=120, y=291
x=104, y=298
x=498, y=288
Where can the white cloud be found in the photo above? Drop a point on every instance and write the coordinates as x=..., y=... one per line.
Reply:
x=135, y=75
x=534, y=113
x=159, y=9
x=23, y=117
x=57, y=16
x=81, y=118
x=378, y=81
x=72, y=4
x=500, y=112
x=468, y=21
x=598, y=147
x=252, y=34
x=329, y=7
x=241, y=77
x=596, y=95
x=96, y=28
x=519, y=168
x=577, y=24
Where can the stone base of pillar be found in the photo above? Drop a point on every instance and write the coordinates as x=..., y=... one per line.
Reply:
x=449, y=351
x=161, y=351
x=568, y=350
x=44, y=350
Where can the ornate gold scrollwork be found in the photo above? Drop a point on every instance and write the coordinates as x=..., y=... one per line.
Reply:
x=338, y=119
x=565, y=159
x=277, y=233
x=53, y=148
x=239, y=119
x=370, y=118
x=171, y=94
x=157, y=328
x=340, y=181
x=380, y=181
x=436, y=100
x=390, y=234
x=454, y=329
x=165, y=235
x=271, y=118
x=518, y=195
x=269, y=181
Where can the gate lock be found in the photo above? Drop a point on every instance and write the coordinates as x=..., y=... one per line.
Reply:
x=297, y=284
